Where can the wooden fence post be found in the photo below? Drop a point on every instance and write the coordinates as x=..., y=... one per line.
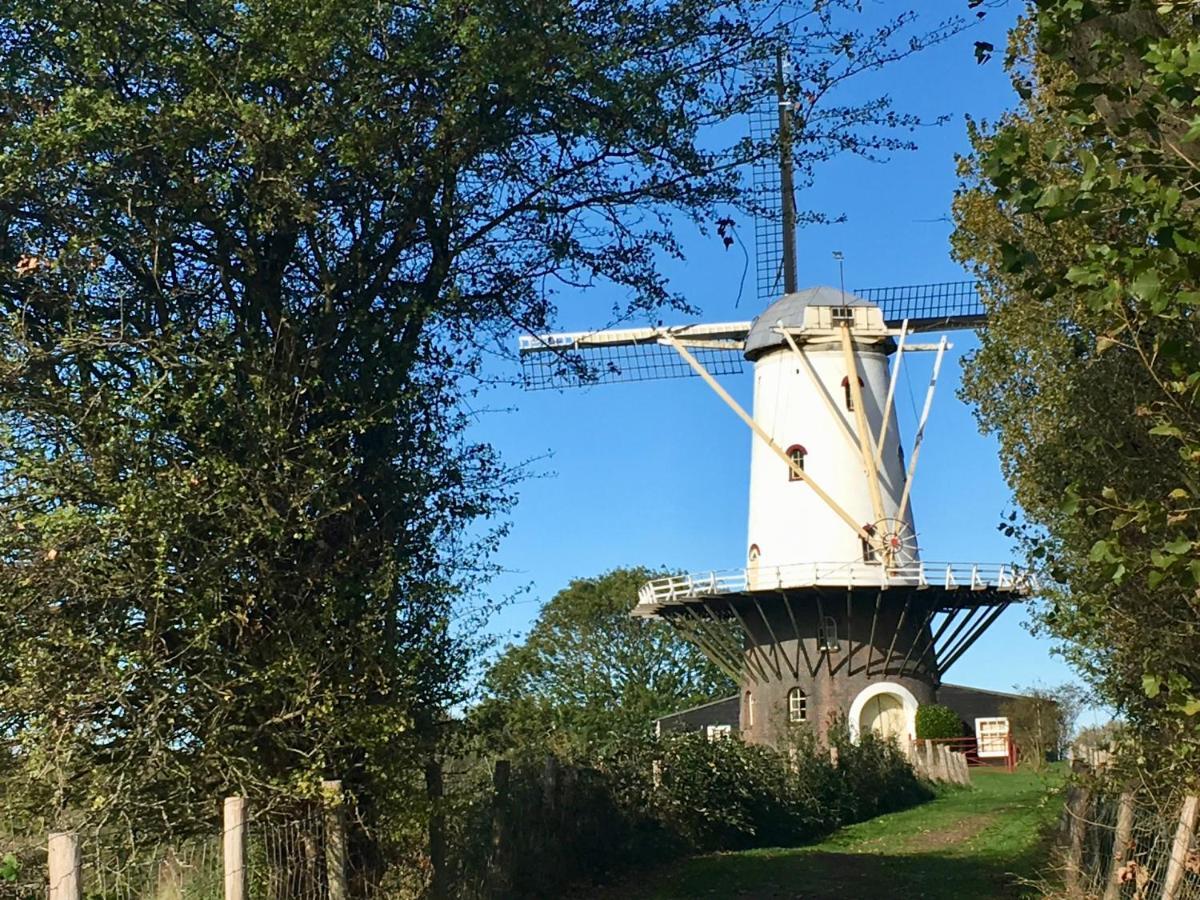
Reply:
x=1077, y=807
x=1112, y=890
x=1177, y=865
x=434, y=789
x=498, y=875
x=65, y=866
x=334, y=803
x=233, y=848
x=930, y=761
x=943, y=753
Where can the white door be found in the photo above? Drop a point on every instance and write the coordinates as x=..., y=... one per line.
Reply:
x=884, y=715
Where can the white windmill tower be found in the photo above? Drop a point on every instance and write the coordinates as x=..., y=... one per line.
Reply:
x=834, y=612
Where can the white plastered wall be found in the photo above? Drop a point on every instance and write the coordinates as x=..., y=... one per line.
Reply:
x=788, y=522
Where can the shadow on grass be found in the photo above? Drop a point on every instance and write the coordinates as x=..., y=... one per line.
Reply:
x=822, y=875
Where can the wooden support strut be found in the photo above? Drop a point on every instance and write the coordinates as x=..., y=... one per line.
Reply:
x=768, y=663
x=920, y=436
x=844, y=427
x=800, y=648
x=725, y=643
x=871, y=639
x=934, y=637
x=866, y=441
x=775, y=644
x=669, y=339
x=974, y=636
x=891, y=393
x=691, y=633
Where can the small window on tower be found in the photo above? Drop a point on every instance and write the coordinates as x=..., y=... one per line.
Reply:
x=827, y=636
x=796, y=454
x=842, y=315
x=749, y=709
x=849, y=393
x=797, y=705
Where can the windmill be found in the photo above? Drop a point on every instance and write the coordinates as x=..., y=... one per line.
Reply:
x=835, y=611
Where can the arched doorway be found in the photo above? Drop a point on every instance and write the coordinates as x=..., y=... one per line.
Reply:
x=884, y=715
x=885, y=707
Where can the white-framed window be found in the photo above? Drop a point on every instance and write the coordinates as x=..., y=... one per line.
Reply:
x=991, y=737
x=796, y=454
x=827, y=636
x=750, y=704
x=718, y=732
x=797, y=706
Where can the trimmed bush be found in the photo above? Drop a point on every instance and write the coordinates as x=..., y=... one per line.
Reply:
x=935, y=721
x=558, y=823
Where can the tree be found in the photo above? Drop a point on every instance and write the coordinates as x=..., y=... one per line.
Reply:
x=1079, y=214
x=1042, y=720
x=590, y=673
x=251, y=254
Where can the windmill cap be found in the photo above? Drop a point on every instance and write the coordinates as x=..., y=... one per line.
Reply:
x=789, y=309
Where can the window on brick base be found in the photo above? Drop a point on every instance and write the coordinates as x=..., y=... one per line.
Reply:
x=797, y=705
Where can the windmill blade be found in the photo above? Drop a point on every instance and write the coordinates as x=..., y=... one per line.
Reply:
x=579, y=359
x=944, y=306
x=767, y=193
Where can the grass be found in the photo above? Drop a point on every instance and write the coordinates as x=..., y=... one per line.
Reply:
x=985, y=842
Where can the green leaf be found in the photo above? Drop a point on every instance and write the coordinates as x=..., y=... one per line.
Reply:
x=1151, y=685
x=1147, y=287
x=1191, y=707
x=1099, y=551
x=1166, y=430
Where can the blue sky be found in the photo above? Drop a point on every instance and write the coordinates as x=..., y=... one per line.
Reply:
x=656, y=473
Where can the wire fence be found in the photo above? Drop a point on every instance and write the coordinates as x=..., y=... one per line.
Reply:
x=297, y=853
x=1127, y=846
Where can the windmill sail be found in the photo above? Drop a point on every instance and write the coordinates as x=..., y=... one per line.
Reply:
x=578, y=359
x=945, y=306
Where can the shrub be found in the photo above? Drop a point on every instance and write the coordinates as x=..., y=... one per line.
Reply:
x=590, y=821
x=728, y=794
x=935, y=721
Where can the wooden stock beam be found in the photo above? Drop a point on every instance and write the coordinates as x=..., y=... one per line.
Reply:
x=866, y=440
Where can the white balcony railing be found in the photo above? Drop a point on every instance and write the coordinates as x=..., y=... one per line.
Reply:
x=951, y=576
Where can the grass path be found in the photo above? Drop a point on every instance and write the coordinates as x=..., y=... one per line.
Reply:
x=978, y=843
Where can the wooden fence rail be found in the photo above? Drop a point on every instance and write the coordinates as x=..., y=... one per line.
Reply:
x=937, y=762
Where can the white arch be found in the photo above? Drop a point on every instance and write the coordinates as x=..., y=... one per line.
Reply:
x=884, y=687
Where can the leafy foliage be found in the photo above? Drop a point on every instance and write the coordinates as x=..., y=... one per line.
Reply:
x=250, y=255
x=935, y=721
x=1079, y=213
x=1042, y=721
x=727, y=794
x=589, y=674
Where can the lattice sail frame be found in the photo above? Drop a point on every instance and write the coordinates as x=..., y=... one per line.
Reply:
x=580, y=359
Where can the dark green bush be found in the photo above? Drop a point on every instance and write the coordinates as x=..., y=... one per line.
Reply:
x=935, y=721
x=585, y=823
x=727, y=794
